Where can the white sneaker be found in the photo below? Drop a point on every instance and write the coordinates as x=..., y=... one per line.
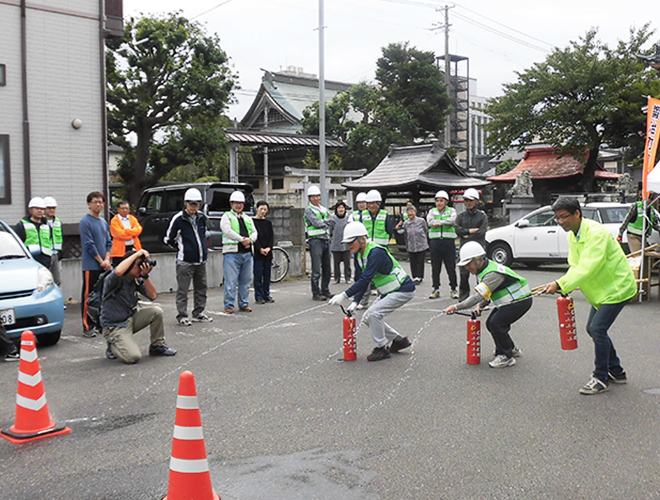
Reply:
x=184, y=321
x=202, y=318
x=435, y=294
x=454, y=294
x=501, y=361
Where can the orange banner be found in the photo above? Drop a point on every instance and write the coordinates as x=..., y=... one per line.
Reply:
x=652, y=138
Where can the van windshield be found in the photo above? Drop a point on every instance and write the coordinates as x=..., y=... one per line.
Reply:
x=218, y=200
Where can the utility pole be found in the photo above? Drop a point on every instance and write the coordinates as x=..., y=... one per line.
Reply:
x=322, y=159
x=447, y=77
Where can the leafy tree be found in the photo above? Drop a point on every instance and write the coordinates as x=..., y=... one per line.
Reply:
x=408, y=105
x=580, y=98
x=506, y=166
x=167, y=86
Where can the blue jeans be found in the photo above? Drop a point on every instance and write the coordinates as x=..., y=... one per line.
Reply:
x=598, y=324
x=238, y=273
x=319, y=251
x=262, y=269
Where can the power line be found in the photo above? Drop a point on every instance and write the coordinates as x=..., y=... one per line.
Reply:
x=209, y=10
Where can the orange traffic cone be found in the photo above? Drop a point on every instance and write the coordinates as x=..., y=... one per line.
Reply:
x=189, y=470
x=32, y=419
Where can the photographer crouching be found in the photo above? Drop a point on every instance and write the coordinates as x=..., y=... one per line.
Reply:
x=122, y=315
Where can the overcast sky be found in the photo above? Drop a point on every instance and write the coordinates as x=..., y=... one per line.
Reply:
x=499, y=37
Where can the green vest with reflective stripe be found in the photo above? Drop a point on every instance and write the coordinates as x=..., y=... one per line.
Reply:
x=376, y=227
x=636, y=227
x=358, y=215
x=385, y=283
x=322, y=213
x=448, y=232
x=516, y=289
x=56, y=231
x=236, y=228
x=37, y=241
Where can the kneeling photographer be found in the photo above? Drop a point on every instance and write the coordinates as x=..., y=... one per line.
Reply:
x=122, y=315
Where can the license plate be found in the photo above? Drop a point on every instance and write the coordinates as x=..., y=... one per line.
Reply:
x=7, y=317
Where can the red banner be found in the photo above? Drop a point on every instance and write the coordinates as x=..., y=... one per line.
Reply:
x=652, y=138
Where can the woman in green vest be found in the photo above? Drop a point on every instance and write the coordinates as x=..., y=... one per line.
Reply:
x=507, y=290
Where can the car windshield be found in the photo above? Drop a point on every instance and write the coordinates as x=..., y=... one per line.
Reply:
x=10, y=247
x=613, y=215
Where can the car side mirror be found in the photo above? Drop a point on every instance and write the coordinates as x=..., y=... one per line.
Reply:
x=522, y=223
x=142, y=210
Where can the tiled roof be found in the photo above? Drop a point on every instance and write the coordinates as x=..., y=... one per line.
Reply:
x=270, y=139
x=548, y=163
x=426, y=164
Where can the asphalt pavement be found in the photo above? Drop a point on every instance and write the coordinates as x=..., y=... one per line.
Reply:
x=285, y=419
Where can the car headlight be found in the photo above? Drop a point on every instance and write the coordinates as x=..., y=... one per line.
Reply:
x=44, y=279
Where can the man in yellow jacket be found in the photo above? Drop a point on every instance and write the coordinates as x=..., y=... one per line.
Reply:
x=599, y=268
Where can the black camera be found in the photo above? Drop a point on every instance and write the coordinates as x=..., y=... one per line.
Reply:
x=151, y=262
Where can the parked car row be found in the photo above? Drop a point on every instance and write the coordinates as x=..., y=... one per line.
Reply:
x=536, y=238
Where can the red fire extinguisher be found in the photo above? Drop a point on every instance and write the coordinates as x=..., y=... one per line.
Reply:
x=567, y=332
x=350, y=342
x=473, y=340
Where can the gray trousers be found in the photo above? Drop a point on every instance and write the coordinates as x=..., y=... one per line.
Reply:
x=56, y=268
x=184, y=274
x=374, y=317
x=121, y=339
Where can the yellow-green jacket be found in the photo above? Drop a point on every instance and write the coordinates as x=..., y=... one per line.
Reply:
x=598, y=266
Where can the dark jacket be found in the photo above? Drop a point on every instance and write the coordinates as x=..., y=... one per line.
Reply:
x=469, y=220
x=189, y=237
x=119, y=299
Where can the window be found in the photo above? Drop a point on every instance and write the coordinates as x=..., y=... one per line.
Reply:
x=255, y=183
x=174, y=200
x=5, y=186
x=546, y=218
x=155, y=202
x=3, y=75
x=278, y=183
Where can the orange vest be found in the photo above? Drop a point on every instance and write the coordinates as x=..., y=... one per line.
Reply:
x=120, y=235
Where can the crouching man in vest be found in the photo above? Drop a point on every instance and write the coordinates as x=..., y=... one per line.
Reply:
x=122, y=315
x=377, y=266
x=509, y=292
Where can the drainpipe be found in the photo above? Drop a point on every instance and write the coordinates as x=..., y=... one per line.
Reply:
x=104, y=121
x=27, y=177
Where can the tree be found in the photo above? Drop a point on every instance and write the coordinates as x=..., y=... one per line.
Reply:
x=408, y=105
x=580, y=98
x=167, y=87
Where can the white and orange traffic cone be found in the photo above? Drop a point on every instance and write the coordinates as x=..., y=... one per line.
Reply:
x=32, y=419
x=189, y=469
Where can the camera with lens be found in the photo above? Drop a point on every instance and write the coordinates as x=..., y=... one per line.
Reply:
x=145, y=260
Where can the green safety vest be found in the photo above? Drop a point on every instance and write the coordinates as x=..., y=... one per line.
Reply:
x=376, y=227
x=517, y=289
x=358, y=215
x=56, y=231
x=233, y=219
x=385, y=283
x=37, y=241
x=637, y=226
x=323, y=214
x=448, y=232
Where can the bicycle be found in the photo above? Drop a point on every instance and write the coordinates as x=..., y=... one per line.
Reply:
x=280, y=267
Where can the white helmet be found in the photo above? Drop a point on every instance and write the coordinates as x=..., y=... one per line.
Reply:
x=471, y=250
x=193, y=194
x=361, y=197
x=313, y=191
x=237, y=197
x=37, y=202
x=50, y=201
x=471, y=194
x=373, y=195
x=442, y=194
x=354, y=230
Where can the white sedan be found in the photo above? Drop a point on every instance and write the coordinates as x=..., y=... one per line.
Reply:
x=537, y=239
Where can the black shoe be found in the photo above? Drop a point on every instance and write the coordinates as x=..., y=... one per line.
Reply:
x=319, y=297
x=379, y=353
x=90, y=334
x=328, y=295
x=400, y=343
x=108, y=352
x=270, y=300
x=260, y=301
x=617, y=379
x=13, y=356
x=161, y=350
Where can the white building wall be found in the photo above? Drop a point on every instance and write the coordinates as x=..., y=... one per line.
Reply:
x=64, y=83
x=11, y=110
